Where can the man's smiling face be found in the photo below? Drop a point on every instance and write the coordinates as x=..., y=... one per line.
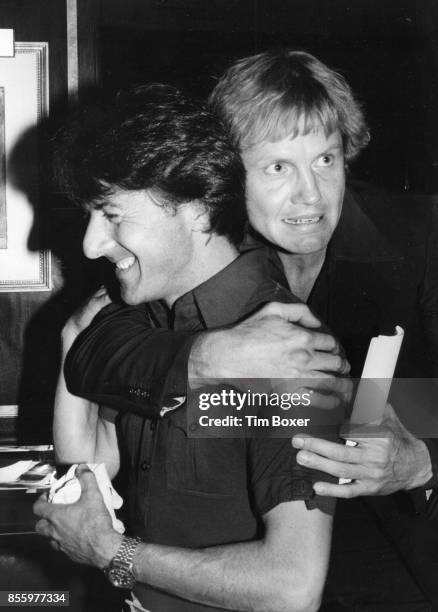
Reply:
x=295, y=188
x=152, y=248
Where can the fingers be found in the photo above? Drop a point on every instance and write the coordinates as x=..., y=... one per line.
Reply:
x=86, y=477
x=101, y=293
x=323, y=342
x=339, y=385
x=310, y=448
x=45, y=528
x=55, y=545
x=326, y=391
x=294, y=313
x=97, y=301
x=323, y=401
x=346, y=491
x=42, y=507
x=328, y=362
x=321, y=351
x=322, y=347
x=328, y=466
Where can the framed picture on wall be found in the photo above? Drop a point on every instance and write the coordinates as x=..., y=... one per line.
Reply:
x=24, y=99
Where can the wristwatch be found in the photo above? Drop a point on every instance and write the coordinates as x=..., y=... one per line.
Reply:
x=119, y=570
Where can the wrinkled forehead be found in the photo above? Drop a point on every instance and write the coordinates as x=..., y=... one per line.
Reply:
x=277, y=123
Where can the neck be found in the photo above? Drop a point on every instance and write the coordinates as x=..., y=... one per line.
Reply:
x=212, y=254
x=301, y=270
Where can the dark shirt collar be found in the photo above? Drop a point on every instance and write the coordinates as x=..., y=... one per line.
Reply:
x=222, y=299
x=357, y=237
x=225, y=297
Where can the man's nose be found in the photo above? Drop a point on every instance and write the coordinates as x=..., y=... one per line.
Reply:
x=98, y=238
x=306, y=189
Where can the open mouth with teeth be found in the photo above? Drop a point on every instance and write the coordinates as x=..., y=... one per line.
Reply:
x=304, y=220
x=125, y=264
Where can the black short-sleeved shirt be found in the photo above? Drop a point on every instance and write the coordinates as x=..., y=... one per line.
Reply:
x=203, y=492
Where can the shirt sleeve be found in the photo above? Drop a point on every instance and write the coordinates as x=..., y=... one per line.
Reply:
x=108, y=414
x=121, y=361
x=277, y=477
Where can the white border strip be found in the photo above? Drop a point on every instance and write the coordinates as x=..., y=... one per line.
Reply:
x=8, y=412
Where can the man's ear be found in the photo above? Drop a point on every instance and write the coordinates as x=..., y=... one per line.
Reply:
x=200, y=218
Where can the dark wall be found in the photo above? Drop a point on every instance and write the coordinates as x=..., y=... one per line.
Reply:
x=31, y=22
x=387, y=49
x=30, y=322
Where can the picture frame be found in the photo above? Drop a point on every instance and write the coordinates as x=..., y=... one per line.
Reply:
x=24, y=103
x=3, y=221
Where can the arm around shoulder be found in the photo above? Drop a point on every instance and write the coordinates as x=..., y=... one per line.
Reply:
x=122, y=361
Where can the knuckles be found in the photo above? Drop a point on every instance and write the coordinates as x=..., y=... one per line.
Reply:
x=301, y=358
x=303, y=338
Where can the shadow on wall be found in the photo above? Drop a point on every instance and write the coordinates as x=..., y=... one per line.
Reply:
x=31, y=322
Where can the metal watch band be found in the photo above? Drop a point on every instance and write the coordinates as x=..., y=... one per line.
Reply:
x=119, y=571
x=126, y=551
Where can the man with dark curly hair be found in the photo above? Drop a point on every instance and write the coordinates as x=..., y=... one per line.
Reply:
x=228, y=523
x=364, y=262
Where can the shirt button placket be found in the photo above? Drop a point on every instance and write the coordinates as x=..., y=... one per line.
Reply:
x=145, y=466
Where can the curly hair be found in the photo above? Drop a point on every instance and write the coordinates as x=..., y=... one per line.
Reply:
x=276, y=94
x=153, y=137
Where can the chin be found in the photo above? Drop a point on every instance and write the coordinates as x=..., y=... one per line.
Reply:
x=304, y=247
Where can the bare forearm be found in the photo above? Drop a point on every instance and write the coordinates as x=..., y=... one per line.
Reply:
x=74, y=421
x=80, y=435
x=283, y=571
x=236, y=577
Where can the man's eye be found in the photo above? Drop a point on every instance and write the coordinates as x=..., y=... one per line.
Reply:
x=326, y=160
x=113, y=217
x=276, y=168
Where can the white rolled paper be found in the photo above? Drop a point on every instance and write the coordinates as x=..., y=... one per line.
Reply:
x=376, y=379
x=378, y=371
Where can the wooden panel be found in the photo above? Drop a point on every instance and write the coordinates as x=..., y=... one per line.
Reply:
x=89, y=13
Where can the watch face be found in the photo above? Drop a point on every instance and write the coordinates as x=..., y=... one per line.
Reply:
x=119, y=571
x=120, y=577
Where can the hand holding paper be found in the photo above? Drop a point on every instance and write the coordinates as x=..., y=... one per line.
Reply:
x=393, y=461
x=67, y=490
x=377, y=373
x=82, y=529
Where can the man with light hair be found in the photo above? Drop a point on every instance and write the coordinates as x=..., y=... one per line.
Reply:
x=364, y=262
x=229, y=523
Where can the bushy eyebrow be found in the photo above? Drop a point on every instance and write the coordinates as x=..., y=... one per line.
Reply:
x=333, y=147
x=101, y=204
